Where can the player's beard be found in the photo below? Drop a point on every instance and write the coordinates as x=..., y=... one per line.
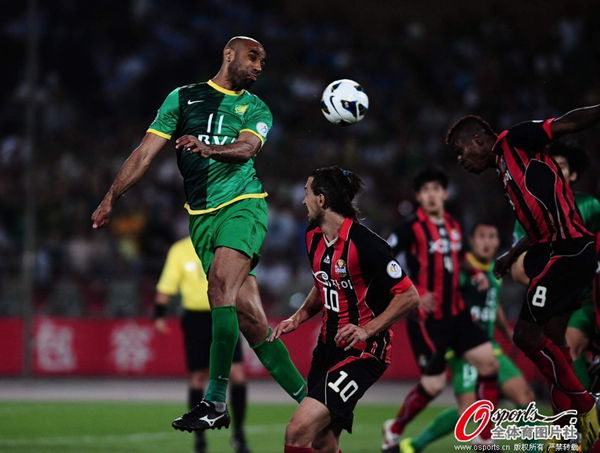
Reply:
x=316, y=220
x=239, y=78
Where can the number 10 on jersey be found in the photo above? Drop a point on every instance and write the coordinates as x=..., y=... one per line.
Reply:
x=332, y=300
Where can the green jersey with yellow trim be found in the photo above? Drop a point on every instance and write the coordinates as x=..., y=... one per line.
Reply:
x=483, y=305
x=215, y=116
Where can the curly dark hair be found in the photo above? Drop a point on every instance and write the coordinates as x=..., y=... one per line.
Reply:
x=339, y=188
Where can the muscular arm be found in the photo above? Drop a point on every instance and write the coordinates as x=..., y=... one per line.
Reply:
x=575, y=120
x=240, y=151
x=130, y=173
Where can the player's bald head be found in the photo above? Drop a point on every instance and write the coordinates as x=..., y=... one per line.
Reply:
x=240, y=42
x=243, y=61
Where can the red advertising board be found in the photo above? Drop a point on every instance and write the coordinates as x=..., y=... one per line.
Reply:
x=131, y=347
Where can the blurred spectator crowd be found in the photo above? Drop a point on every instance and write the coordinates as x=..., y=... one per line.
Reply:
x=106, y=67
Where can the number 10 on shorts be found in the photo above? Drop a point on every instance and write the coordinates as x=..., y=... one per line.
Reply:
x=349, y=389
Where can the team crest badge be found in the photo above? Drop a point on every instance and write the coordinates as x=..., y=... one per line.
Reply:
x=262, y=128
x=241, y=109
x=394, y=270
x=340, y=268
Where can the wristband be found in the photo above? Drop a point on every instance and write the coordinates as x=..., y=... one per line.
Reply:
x=160, y=311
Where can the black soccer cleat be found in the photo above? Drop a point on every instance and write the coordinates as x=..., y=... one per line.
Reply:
x=204, y=416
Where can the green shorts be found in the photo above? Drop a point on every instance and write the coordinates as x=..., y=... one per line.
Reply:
x=464, y=376
x=583, y=319
x=241, y=226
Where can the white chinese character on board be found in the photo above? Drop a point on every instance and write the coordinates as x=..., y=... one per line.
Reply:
x=54, y=347
x=130, y=345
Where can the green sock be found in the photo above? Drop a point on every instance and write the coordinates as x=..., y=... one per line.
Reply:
x=581, y=371
x=440, y=426
x=225, y=333
x=276, y=359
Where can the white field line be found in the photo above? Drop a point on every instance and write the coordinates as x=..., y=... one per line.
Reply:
x=132, y=437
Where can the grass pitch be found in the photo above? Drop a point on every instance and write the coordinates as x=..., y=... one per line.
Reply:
x=145, y=427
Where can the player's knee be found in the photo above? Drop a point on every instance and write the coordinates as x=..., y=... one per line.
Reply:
x=217, y=290
x=433, y=385
x=295, y=434
x=488, y=366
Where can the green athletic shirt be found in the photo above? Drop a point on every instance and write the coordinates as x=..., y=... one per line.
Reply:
x=216, y=116
x=482, y=304
x=589, y=208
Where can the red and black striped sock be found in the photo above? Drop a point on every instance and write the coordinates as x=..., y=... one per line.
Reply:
x=556, y=365
x=416, y=400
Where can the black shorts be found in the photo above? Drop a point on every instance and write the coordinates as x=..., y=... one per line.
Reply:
x=197, y=336
x=558, y=273
x=431, y=338
x=339, y=378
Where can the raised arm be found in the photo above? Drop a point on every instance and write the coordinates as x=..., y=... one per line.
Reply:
x=575, y=120
x=131, y=172
x=240, y=151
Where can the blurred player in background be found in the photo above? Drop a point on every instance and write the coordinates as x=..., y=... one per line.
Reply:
x=485, y=308
x=182, y=274
x=432, y=243
x=580, y=329
x=561, y=257
x=360, y=290
x=221, y=128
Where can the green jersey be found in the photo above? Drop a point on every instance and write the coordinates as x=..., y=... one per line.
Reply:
x=589, y=208
x=215, y=116
x=483, y=305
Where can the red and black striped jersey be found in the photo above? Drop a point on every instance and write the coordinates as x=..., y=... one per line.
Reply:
x=433, y=257
x=356, y=276
x=534, y=184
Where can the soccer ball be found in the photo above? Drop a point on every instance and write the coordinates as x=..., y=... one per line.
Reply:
x=344, y=102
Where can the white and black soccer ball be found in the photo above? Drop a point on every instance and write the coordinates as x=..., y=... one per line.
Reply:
x=344, y=102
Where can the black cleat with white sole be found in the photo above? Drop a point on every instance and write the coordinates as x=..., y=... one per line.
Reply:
x=204, y=416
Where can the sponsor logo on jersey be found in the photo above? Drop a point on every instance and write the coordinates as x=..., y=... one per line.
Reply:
x=444, y=245
x=327, y=260
x=340, y=268
x=394, y=270
x=241, y=109
x=262, y=128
